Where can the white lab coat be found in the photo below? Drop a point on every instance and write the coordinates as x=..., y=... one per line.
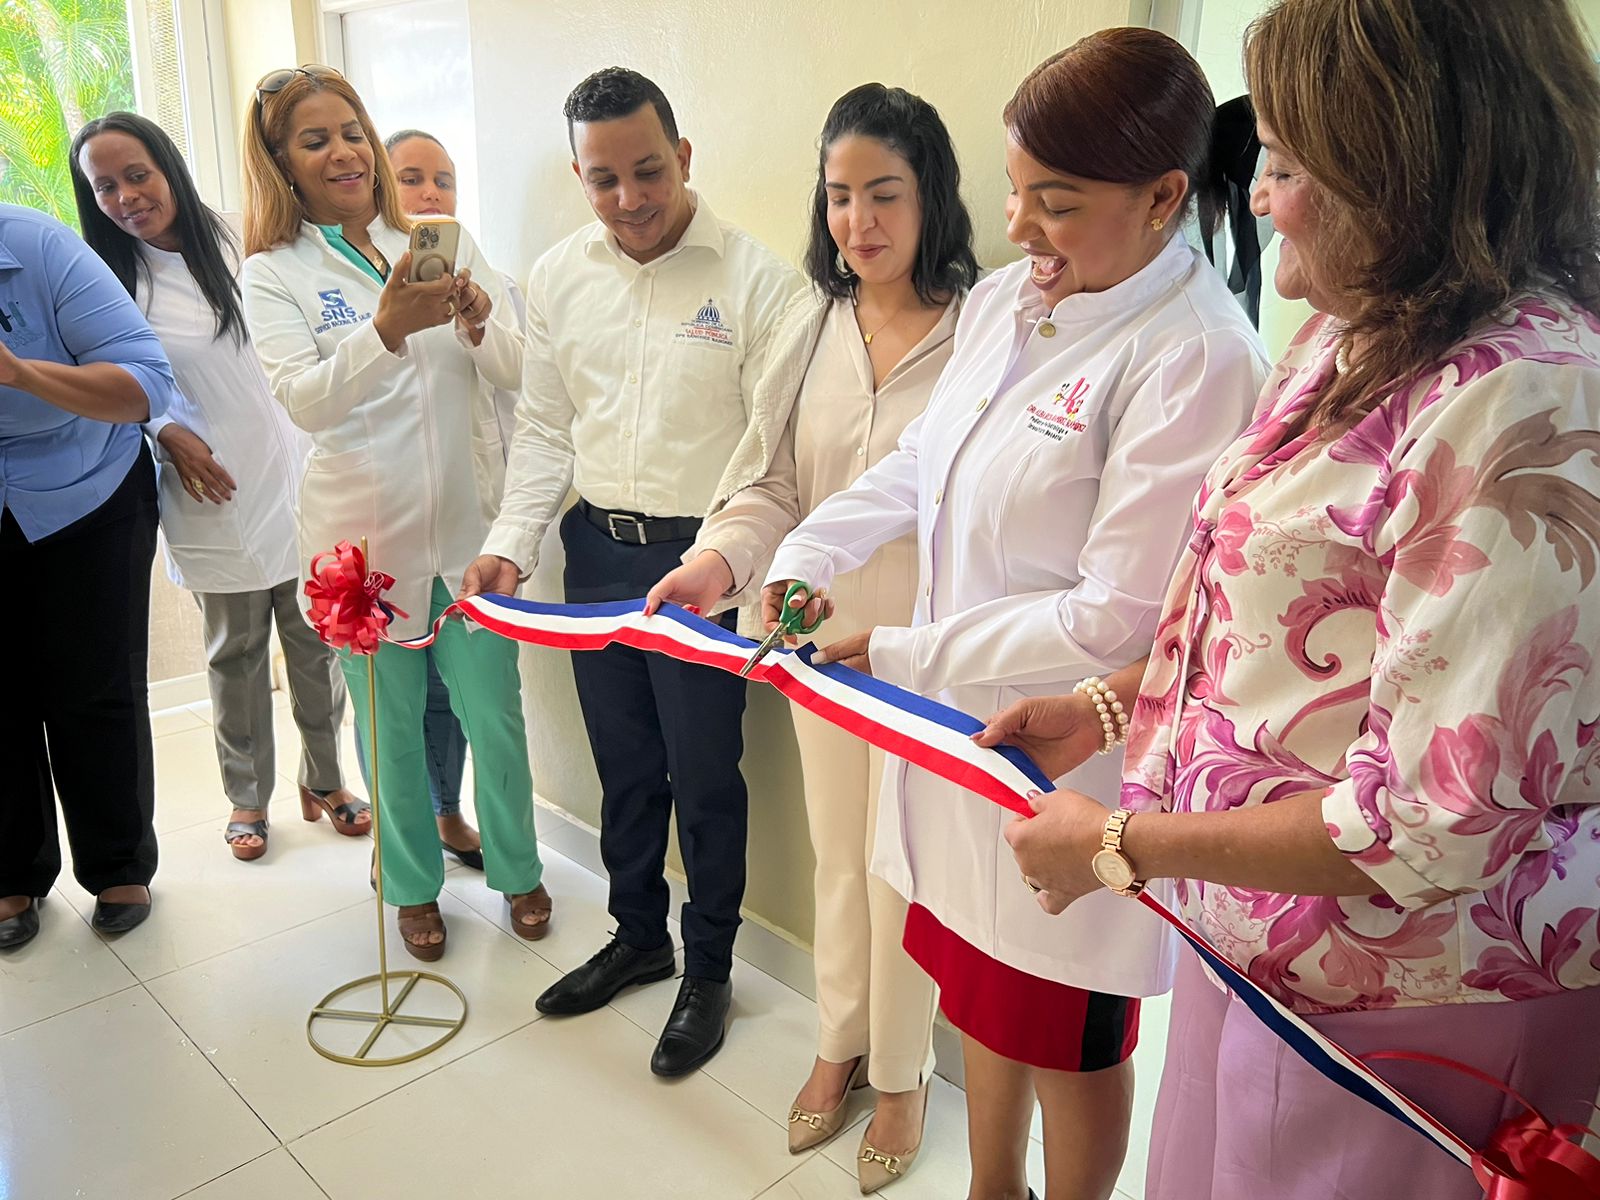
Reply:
x=247, y=544
x=1048, y=485
x=398, y=440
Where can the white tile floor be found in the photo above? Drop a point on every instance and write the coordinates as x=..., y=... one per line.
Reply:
x=173, y=1062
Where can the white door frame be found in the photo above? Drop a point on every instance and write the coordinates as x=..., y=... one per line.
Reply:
x=1177, y=18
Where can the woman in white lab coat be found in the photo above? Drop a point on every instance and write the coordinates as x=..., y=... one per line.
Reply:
x=427, y=177
x=1091, y=386
x=229, y=463
x=385, y=375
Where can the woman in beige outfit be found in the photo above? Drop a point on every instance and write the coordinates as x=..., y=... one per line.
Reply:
x=854, y=361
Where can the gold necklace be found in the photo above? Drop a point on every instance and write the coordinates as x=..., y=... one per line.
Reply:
x=866, y=338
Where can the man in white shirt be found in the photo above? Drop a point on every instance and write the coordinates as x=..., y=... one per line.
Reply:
x=646, y=333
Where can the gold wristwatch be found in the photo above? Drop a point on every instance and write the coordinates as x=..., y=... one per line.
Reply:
x=1111, y=866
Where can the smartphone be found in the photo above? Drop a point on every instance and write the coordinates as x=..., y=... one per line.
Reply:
x=434, y=241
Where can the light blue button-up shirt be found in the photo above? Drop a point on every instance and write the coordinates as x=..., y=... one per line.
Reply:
x=60, y=303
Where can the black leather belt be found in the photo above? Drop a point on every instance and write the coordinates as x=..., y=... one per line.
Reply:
x=636, y=529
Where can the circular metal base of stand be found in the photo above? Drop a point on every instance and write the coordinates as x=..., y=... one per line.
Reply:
x=380, y=1020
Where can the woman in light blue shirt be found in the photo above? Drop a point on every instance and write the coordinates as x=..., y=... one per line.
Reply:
x=79, y=369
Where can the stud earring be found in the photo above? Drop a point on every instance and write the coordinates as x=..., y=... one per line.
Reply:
x=1157, y=224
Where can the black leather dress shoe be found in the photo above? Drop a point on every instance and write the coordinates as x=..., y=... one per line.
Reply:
x=592, y=985
x=20, y=929
x=695, y=1030
x=118, y=918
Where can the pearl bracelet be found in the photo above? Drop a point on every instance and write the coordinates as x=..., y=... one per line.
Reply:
x=1113, y=720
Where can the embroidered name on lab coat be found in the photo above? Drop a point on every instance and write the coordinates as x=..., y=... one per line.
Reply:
x=707, y=328
x=1060, y=415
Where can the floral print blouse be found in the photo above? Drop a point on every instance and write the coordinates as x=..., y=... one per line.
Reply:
x=1404, y=619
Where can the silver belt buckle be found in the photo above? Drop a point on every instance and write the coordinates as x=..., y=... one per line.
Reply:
x=627, y=522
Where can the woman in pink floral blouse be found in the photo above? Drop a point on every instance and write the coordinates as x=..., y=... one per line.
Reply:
x=1365, y=745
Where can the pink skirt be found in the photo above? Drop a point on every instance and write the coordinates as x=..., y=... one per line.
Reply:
x=1240, y=1115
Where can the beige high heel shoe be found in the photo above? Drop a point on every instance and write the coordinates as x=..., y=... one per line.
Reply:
x=875, y=1170
x=809, y=1129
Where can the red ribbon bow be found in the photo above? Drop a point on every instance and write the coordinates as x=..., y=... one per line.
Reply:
x=1527, y=1158
x=347, y=609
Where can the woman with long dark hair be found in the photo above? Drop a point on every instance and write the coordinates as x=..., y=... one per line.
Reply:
x=229, y=462
x=854, y=360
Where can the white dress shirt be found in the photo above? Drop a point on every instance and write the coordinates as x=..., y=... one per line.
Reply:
x=1048, y=485
x=248, y=543
x=637, y=376
x=396, y=437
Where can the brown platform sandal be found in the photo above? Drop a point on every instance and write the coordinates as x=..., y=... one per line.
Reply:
x=244, y=829
x=422, y=919
x=531, y=904
x=351, y=817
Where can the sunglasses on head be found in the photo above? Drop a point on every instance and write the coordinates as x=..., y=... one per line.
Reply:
x=276, y=81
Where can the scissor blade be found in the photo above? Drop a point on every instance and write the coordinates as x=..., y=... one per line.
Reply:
x=767, y=643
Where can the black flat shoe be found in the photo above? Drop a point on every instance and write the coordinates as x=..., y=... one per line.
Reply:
x=22, y=928
x=467, y=858
x=696, y=1028
x=594, y=984
x=118, y=918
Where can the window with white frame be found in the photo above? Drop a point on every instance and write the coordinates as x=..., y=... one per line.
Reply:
x=65, y=62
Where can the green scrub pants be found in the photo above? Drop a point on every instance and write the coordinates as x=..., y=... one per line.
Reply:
x=480, y=670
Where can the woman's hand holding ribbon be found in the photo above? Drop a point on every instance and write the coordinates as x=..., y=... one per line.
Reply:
x=1054, y=846
x=849, y=652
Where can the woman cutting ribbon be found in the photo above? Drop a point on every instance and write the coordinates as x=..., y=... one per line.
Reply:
x=854, y=361
x=1090, y=387
x=1365, y=747
x=384, y=375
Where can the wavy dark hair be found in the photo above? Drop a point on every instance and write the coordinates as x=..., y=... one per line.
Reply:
x=1453, y=166
x=912, y=128
x=203, y=236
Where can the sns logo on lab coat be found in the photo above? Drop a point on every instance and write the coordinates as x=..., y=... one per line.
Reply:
x=1059, y=416
x=336, y=310
x=707, y=328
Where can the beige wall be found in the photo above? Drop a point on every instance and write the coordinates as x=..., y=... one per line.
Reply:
x=261, y=36
x=750, y=85
x=1589, y=13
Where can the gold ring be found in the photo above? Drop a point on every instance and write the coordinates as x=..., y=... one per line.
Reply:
x=1032, y=886
x=198, y=484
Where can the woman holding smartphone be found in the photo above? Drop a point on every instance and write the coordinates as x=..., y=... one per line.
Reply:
x=427, y=177
x=229, y=463
x=384, y=373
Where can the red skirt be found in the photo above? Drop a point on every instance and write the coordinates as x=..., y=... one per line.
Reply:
x=1049, y=1025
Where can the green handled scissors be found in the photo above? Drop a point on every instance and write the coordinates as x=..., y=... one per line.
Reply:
x=791, y=623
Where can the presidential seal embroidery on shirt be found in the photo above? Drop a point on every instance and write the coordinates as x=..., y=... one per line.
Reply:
x=336, y=310
x=15, y=328
x=707, y=328
x=1060, y=415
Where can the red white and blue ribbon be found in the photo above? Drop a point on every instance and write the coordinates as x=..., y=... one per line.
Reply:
x=1530, y=1162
